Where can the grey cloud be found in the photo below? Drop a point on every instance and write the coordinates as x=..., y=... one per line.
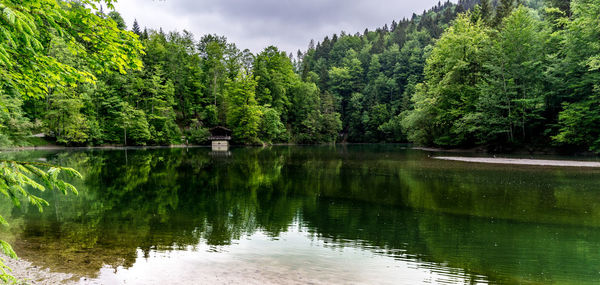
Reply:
x=256, y=24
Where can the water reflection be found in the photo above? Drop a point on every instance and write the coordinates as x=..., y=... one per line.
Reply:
x=382, y=213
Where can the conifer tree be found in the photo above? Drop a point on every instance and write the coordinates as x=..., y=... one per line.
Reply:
x=485, y=11
x=136, y=28
x=503, y=10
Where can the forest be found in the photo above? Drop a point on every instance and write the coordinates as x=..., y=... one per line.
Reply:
x=498, y=74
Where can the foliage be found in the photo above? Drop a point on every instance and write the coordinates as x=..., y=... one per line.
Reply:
x=13, y=123
x=501, y=74
x=271, y=129
x=244, y=113
x=449, y=94
x=578, y=123
x=29, y=28
x=373, y=75
x=47, y=48
x=274, y=75
x=530, y=80
x=18, y=180
x=579, y=119
x=475, y=73
x=184, y=86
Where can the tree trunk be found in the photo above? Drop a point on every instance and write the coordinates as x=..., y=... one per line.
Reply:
x=511, y=135
x=215, y=88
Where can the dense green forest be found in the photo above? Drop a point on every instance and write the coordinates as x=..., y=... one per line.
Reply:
x=503, y=74
x=499, y=74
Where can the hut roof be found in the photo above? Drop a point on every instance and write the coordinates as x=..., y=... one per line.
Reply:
x=220, y=129
x=220, y=133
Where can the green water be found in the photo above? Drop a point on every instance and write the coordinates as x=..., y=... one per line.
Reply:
x=369, y=214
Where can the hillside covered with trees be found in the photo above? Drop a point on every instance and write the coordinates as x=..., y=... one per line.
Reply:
x=500, y=74
x=504, y=74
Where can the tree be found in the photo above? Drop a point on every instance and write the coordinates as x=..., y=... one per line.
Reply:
x=512, y=98
x=159, y=109
x=563, y=5
x=136, y=28
x=392, y=130
x=485, y=11
x=356, y=117
x=578, y=124
x=212, y=49
x=13, y=124
x=25, y=68
x=579, y=117
x=508, y=89
x=134, y=125
x=18, y=181
x=62, y=116
x=446, y=100
x=116, y=17
x=243, y=111
x=383, y=65
x=271, y=129
x=503, y=10
x=64, y=119
x=27, y=31
x=274, y=75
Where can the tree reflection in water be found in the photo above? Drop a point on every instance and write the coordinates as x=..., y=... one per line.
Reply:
x=511, y=224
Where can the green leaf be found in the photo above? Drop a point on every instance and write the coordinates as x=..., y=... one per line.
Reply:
x=7, y=249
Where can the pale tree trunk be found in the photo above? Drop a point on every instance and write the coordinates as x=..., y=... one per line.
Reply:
x=510, y=124
x=215, y=88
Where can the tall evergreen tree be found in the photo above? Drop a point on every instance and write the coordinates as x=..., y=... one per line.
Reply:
x=503, y=10
x=486, y=11
x=136, y=28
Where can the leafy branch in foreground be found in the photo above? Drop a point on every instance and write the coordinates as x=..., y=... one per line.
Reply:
x=29, y=68
x=17, y=182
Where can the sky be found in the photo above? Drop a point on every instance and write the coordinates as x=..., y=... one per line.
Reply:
x=256, y=24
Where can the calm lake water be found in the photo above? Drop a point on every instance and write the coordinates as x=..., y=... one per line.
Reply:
x=366, y=214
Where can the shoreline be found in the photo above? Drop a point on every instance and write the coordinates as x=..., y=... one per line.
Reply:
x=27, y=273
x=474, y=150
x=515, y=151
x=454, y=150
x=520, y=161
x=121, y=147
x=59, y=147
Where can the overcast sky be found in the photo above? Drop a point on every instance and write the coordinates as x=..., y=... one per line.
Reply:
x=256, y=24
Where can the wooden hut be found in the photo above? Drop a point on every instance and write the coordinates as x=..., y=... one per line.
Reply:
x=220, y=137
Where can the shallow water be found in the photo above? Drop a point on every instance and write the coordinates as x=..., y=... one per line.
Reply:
x=367, y=214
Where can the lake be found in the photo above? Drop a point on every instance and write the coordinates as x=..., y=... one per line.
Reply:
x=356, y=214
